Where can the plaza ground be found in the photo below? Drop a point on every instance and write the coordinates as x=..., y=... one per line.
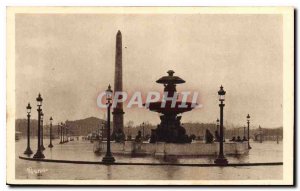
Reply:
x=83, y=150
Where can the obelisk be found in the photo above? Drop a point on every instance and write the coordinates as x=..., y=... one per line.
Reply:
x=118, y=118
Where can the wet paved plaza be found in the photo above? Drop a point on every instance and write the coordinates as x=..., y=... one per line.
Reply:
x=83, y=150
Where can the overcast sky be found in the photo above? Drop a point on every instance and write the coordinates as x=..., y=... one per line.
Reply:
x=69, y=59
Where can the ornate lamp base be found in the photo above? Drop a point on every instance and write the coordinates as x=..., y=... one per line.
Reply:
x=42, y=147
x=50, y=145
x=38, y=155
x=108, y=159
x=28, y=151
x=221, y=161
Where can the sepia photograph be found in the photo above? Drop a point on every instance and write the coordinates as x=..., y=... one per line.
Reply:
x=150, y=95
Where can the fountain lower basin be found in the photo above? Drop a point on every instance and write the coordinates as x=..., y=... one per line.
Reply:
x=172, y=149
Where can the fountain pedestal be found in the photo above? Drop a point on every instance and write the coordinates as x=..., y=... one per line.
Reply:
x=171, y=131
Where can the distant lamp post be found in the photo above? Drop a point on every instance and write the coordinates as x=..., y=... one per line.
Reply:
x=221, y=160
x=28, y=151
x=42, y=131
x=260, y=134
x=61, y=134
x=248, y=122
x=67, y=133
x=39, y=153
x=50, y=145
x=108, y=157
x=143, y=126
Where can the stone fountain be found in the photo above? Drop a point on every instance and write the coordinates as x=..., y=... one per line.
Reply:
x=170, y=130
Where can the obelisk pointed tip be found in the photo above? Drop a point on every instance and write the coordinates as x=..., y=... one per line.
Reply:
x=119, y=32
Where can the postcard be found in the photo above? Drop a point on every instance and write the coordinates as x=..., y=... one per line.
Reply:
x=150, y=95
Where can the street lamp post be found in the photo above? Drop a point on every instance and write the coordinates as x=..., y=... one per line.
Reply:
x=42, y=131
x=143, y=125
x=221, y=159
x=67, y=133
x=28, y=151
x=50, y=145
x=248, y=122
x=39, y=153
x=260, y=134
x=108, y=157
x=61, y=134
